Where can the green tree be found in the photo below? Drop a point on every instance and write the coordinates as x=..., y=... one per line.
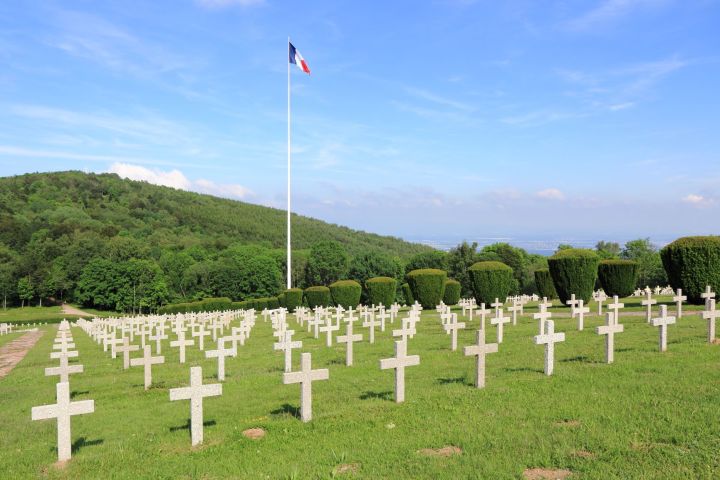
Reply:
x=373, y=264
x=327, y=263
x=174, y=265
x=432, y=259
x=514, y=257
x=25, y=290
x=608, y=250
x=459, y=261
x=8, y=266
x=650, y=272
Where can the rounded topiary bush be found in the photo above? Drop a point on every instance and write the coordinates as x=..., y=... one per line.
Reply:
x=293, y=298
x=452, y=292
x=544, y=283
x=346, y=293
x=693, y=263
x=574, y=270
x=427, y=286
x=281, y=300
x=381, y=290
x=317, y=296
x=407, y=293
x=617, y=277
x=491, y=280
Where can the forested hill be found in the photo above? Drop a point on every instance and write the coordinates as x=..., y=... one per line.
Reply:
x=117, y=244
x=66, y=202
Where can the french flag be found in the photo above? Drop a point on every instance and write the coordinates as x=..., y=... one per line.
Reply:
x=297, y=59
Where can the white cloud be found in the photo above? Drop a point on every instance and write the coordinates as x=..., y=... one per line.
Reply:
x=550, y=194
x=176, y=179
x=229, y=3
x=612, y=10
x=698, y=200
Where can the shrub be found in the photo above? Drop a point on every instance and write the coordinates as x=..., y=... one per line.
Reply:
x=491, y=280
x=346, y=293
x=281, y=300
x=693, y=263
x=381, y=290
x=317, y=296
x=574, y=270
x=293, y=298
x=617, y=277
x=407, y=293
x=206, y=305
x=427, y=286
x=212, y=304
x=544, y=283
x=452, y=292
x=273, y=303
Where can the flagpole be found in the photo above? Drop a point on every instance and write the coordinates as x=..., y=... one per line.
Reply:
x=289, y=252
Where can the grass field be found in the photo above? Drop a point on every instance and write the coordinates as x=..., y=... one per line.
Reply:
x=52, y=314
x=650, y=415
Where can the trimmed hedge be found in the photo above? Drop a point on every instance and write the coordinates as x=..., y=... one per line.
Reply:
x=617, y=277
x=427, y=286
x=318, y=296
x=452, y=292
x=206, y=305
x=407, y=293
x=574, y=270
x=281, y=300
x=346, y=293
x=381, y=290
x=544, y=283
x=491, y=280
x=693, y=263
x=293, y=298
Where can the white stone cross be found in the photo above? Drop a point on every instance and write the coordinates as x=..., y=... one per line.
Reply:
x=125, y=349
x=648, y=302
x=399, y=362
x=500, y=320
x=221, y=353
x=549, y=339
x=572, y=303
x=610, y=328
x=158, y=337
x=201, y=333
x=615, y=307
x=711, y=315
x=707, y=295
x=516, y=307
x=349, y=339
x=663, y=321
x=305, y=377
x=196, y=392
x=542, y=316
x=483, y=312
x=679, y=299
x=371, y=323
x=581, y=310
x=382, y=316
x=452, y=328
x=64, y=370
x=600, y=298
x=286, y=344
x=496, y=305
x=329, y=328
x=479, y=350
x=63, y=410
x=404, y=332
x=182, y=343
x=147, y=361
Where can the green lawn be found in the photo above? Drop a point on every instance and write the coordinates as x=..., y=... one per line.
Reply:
x=649, y=415
x=9, y=338
x=52, y=314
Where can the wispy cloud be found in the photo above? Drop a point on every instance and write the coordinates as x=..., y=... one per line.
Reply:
x=550, y=194
x=610, y=11
x=540, y=117
x=438, y=99
x=176, y=179
x=698, y=200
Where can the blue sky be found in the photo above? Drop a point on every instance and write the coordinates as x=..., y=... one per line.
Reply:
x=445, y=118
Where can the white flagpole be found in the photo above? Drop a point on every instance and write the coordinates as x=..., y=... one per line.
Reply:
x=289, y=252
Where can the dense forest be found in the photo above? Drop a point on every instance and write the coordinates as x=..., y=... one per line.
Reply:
x=116, y=244
x=153, y=244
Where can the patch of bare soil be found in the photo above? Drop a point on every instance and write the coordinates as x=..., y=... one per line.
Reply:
x=346, y=468
x=546, y=474
x=446, y=451
x=12, y=353
x=254, y=433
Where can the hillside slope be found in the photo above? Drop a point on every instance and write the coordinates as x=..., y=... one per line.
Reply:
x=64, y=202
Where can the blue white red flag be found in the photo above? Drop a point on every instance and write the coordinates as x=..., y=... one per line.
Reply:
x=297, y=59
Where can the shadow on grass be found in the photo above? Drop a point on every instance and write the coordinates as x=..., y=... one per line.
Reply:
x=74, y=394
x=83, y=442
x=287, y=409
x=524, y=369
x=580, y=359
x=337, y=361
x=388, y=395
x=209, y=423
x=446, y=381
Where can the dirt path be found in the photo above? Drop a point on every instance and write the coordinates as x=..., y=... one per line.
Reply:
x=70, y=310
x=11, y=353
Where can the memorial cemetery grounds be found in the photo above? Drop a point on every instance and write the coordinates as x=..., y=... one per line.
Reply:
x=648, y=414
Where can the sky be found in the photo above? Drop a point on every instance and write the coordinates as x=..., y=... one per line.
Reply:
x=439, y=119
